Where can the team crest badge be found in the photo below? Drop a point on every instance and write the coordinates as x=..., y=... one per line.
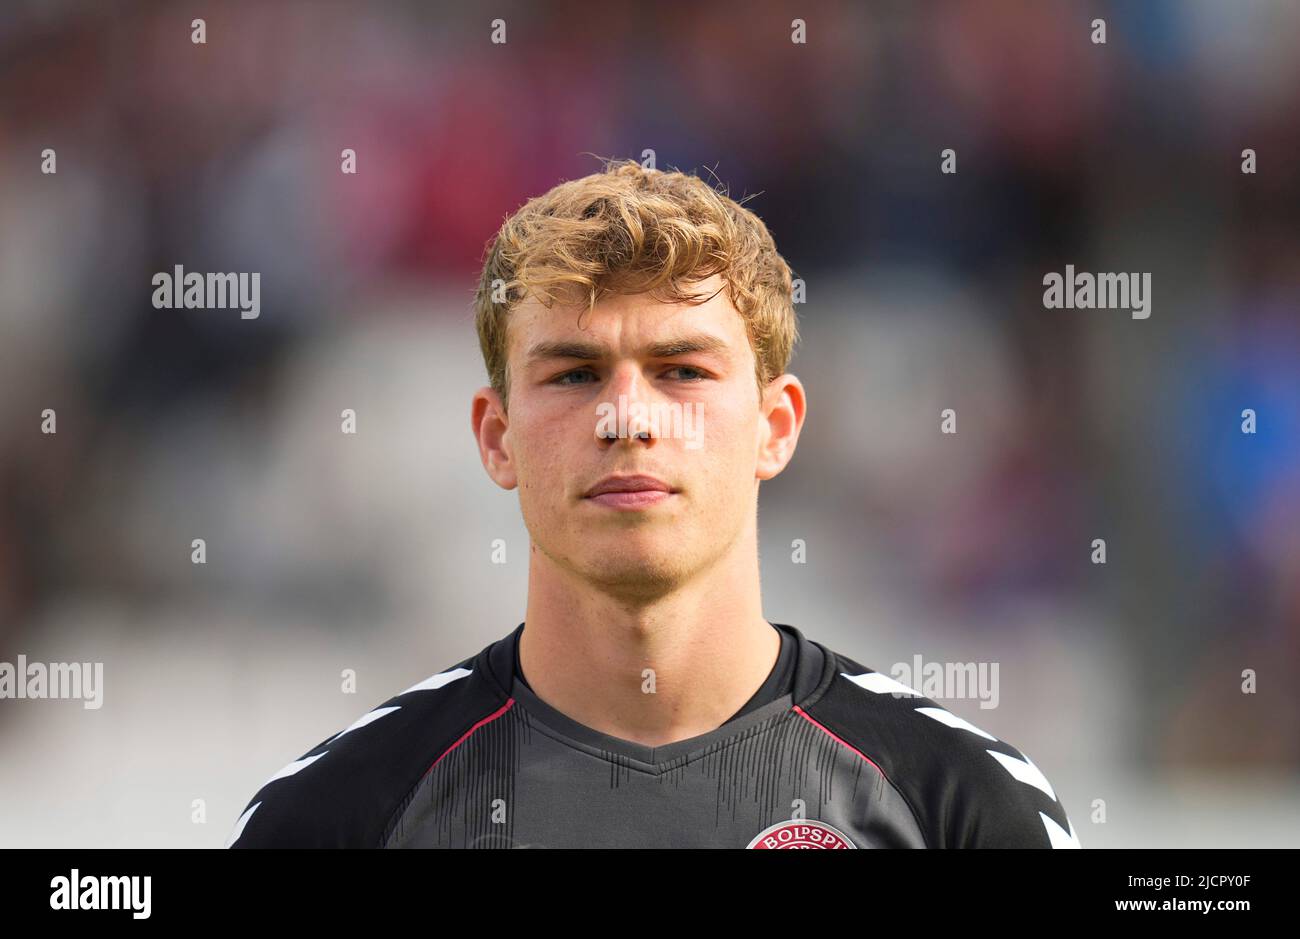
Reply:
x=801, y=833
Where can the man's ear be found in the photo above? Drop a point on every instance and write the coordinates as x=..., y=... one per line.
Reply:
x=783, y=407
x=489, y=421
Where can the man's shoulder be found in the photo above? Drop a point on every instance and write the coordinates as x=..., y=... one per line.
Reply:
x=965, y=786
x=344, y=791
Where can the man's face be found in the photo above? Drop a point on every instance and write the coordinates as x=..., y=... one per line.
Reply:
x=571, y=387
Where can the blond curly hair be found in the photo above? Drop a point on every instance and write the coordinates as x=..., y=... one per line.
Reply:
x=628, y=229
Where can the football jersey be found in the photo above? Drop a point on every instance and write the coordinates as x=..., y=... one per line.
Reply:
x=827, y=754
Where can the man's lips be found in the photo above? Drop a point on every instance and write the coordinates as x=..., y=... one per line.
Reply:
x=631, y=500
x=629, y=492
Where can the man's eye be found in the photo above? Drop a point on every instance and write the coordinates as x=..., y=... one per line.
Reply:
x=693, y=375
x=562, y=379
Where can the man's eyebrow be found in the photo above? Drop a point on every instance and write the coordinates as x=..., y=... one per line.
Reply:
x=593, y=351
x=685, y=345
x=566, y=349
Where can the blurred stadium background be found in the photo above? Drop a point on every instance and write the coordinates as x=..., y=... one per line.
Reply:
x=371, y=552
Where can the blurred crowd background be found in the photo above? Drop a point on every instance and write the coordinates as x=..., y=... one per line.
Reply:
x=371, y=552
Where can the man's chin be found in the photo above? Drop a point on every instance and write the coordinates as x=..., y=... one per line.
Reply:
x=636, y=572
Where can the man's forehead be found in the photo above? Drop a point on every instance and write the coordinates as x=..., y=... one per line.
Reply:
x=664, y=329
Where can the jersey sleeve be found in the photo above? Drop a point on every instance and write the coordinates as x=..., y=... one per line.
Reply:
x=1001, y=799
x=320, y=800
x=343, y=792
x=280, y=816
x=965, y=788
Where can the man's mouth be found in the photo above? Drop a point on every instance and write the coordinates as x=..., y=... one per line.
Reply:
x=629, y=492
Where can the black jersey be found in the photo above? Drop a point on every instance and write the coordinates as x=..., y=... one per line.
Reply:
x=828, y=754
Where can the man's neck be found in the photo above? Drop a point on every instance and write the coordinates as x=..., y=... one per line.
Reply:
x=653, y=672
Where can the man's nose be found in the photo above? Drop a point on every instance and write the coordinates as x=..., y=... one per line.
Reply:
x=627, y=399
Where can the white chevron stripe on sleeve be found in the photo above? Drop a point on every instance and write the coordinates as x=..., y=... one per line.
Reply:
x=881, y=684
x=434, y=682
x=944, y=716
x=1025, y=771
x=295, y=767
x=239, y=825
x=365, y=719
x=1057, y=835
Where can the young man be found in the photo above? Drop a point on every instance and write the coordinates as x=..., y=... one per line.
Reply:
x=636, y=327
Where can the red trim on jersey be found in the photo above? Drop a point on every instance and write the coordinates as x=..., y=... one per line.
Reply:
x=491, y=717
x=834, y=736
